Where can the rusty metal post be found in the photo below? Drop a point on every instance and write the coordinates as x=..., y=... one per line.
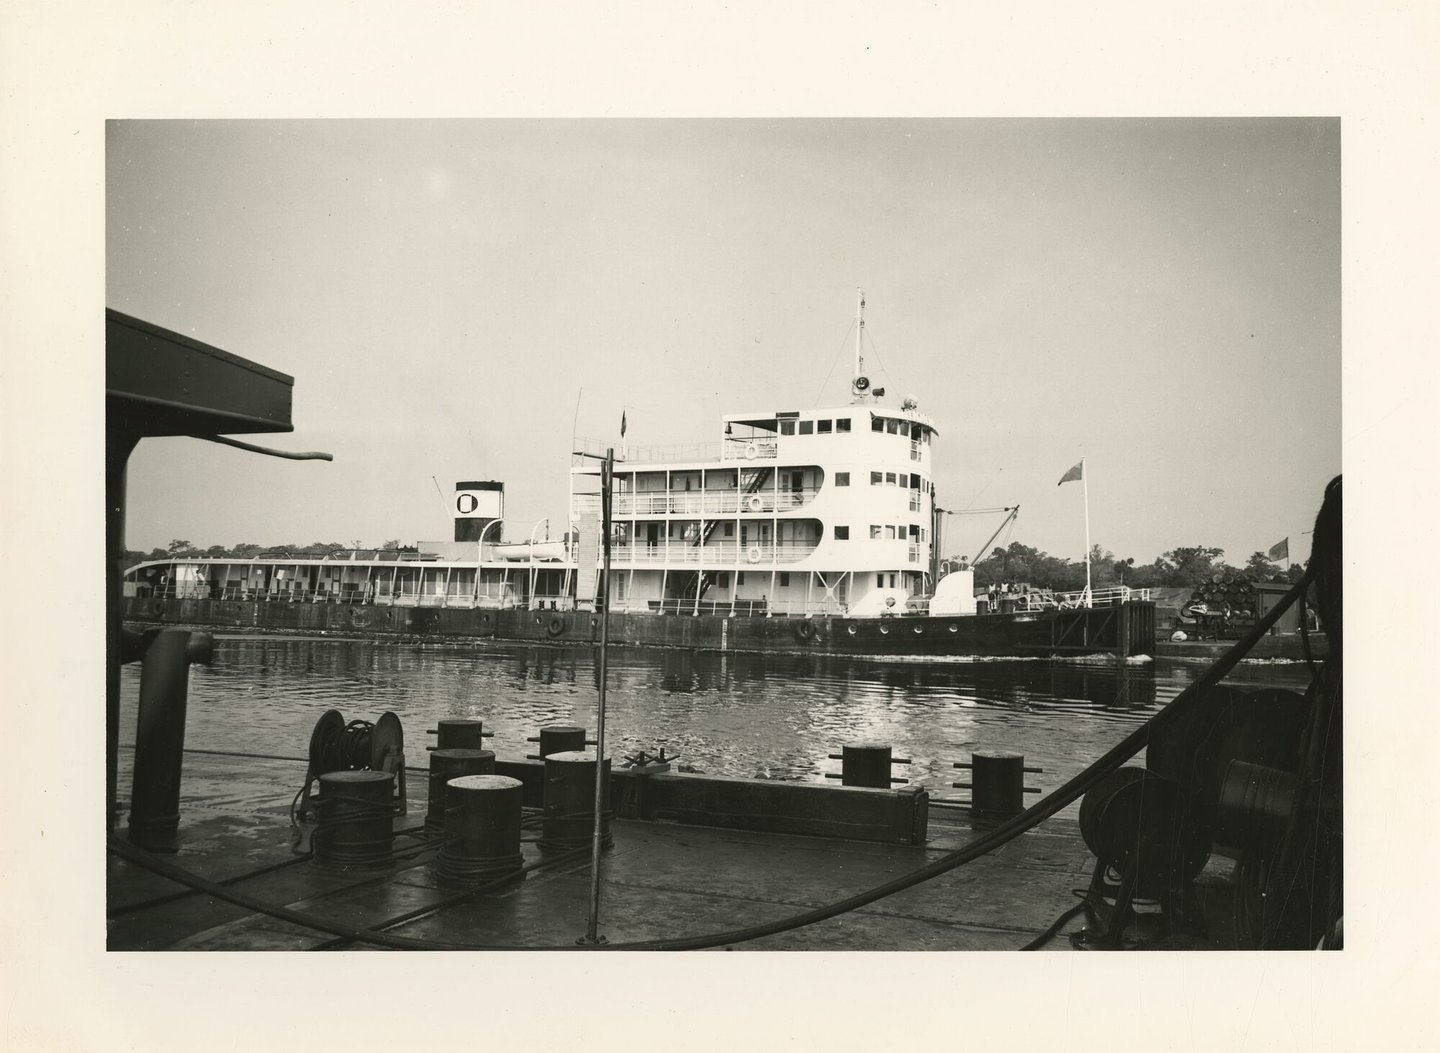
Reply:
x=997, y=783
x=866, y=764
x=460, y=733
x=160, y=736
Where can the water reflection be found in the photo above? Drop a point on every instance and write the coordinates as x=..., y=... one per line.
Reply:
x=768, y=716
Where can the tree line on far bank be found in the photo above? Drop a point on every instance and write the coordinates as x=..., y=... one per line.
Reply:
x=1183, y=567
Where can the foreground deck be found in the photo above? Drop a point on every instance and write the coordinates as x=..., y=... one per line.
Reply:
x=661, y=880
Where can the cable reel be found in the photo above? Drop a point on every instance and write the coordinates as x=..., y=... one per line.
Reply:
x=357, y=746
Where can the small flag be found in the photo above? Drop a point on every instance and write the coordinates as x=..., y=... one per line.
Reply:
x=1078, y=472
x=622, y=424
x=1280, y=551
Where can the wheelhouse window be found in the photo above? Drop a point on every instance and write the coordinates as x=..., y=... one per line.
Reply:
x=877, y=424
x=784, y=578
x=874, y=531
x=892, y=427
x=842, y=533
x=842, y=423
x=876, y=478
x=807, y=427
x=787, y=427
x=842, y=478
x=823, y=427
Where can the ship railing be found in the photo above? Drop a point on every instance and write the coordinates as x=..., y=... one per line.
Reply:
x=738, y=449
x=628, y=454
x=727, y=553
x=711, y=504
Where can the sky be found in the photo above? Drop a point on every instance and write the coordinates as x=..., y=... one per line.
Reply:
x=453, y=297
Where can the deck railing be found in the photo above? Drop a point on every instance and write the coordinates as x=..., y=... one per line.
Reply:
x=710, y=503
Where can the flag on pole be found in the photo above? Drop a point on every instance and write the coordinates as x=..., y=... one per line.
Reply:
x=1078, y=472
x=622, y=424
x=1280, y=551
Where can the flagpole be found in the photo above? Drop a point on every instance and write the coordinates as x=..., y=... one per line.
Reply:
x=1085, y=489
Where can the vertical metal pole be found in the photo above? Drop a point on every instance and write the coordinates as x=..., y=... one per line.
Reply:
x=1085, y=489
x=606, y=481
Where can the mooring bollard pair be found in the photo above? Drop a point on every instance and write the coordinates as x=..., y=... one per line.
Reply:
x=866, y=764
x=997, y=783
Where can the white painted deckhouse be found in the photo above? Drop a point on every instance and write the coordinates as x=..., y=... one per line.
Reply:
x=790, y=512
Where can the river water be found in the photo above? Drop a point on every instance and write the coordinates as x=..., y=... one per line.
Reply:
x=756, y=716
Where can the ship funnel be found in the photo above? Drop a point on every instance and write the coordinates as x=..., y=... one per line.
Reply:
x=476, y=506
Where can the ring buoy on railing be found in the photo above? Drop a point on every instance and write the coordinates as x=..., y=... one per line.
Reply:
x=754, y=555
x=805, y=631
x=751, y=451
x=755, y=504
x=157, y=608
x=359, y=619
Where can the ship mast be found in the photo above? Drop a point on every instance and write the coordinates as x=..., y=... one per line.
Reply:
x=859, y=332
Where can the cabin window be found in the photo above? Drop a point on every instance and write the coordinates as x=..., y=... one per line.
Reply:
x=876, y=478
x=823, y=427
x=892, y=427
x=842, y=478
x=842, y=533
x=842, y=423
x=914, y=482
x=784, y=579
x=877, y=424
x=889, y=532
x=722, y=579
x=879, y=581
x=874, y=532
x=807, y=427
x=905, y=428
x=892, y=581
x=728, y=530
x=739, y=579
x=787, y=427
x=889, y=478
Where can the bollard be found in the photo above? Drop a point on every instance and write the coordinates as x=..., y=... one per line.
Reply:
x=558, y=738
x=447, y=764
x=354, y=812
x=866, y=764
x=460, y=733
x=997, y=783
x=160, y=735
x=568, y=820
x=482, y=830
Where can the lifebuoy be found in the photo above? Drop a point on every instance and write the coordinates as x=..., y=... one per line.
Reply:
x=556, y=627
x=918, y=629
x=755, y=504
x=754, y=555
x=751, y=452
x=157, y=608
x=359, y=619
x=805, y=630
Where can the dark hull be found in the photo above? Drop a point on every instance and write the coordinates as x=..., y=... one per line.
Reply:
x=1121, y=631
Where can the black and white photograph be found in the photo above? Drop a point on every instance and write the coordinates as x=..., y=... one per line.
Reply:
x=602, y=522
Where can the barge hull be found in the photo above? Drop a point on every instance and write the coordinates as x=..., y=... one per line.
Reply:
x=1124, y=630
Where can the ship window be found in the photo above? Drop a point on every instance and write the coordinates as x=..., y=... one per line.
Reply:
x=842, y=533
x=722, y=579
x=739, y=579
x=889, y=532
x=876, y=478
x=784, y=578
x=892, y=581
x=889, y=478
x=879, y=581
x=823, y=426
x=874, y=531
x=787, y=427
x=892, y=426
x=729, y=530
x=914, y=482
x=877, y=424
x=842, y=423
x=807, y=427
x=905, y=428
x=842, y=478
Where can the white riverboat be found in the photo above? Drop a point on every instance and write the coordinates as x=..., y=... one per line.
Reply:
x=819, y=514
